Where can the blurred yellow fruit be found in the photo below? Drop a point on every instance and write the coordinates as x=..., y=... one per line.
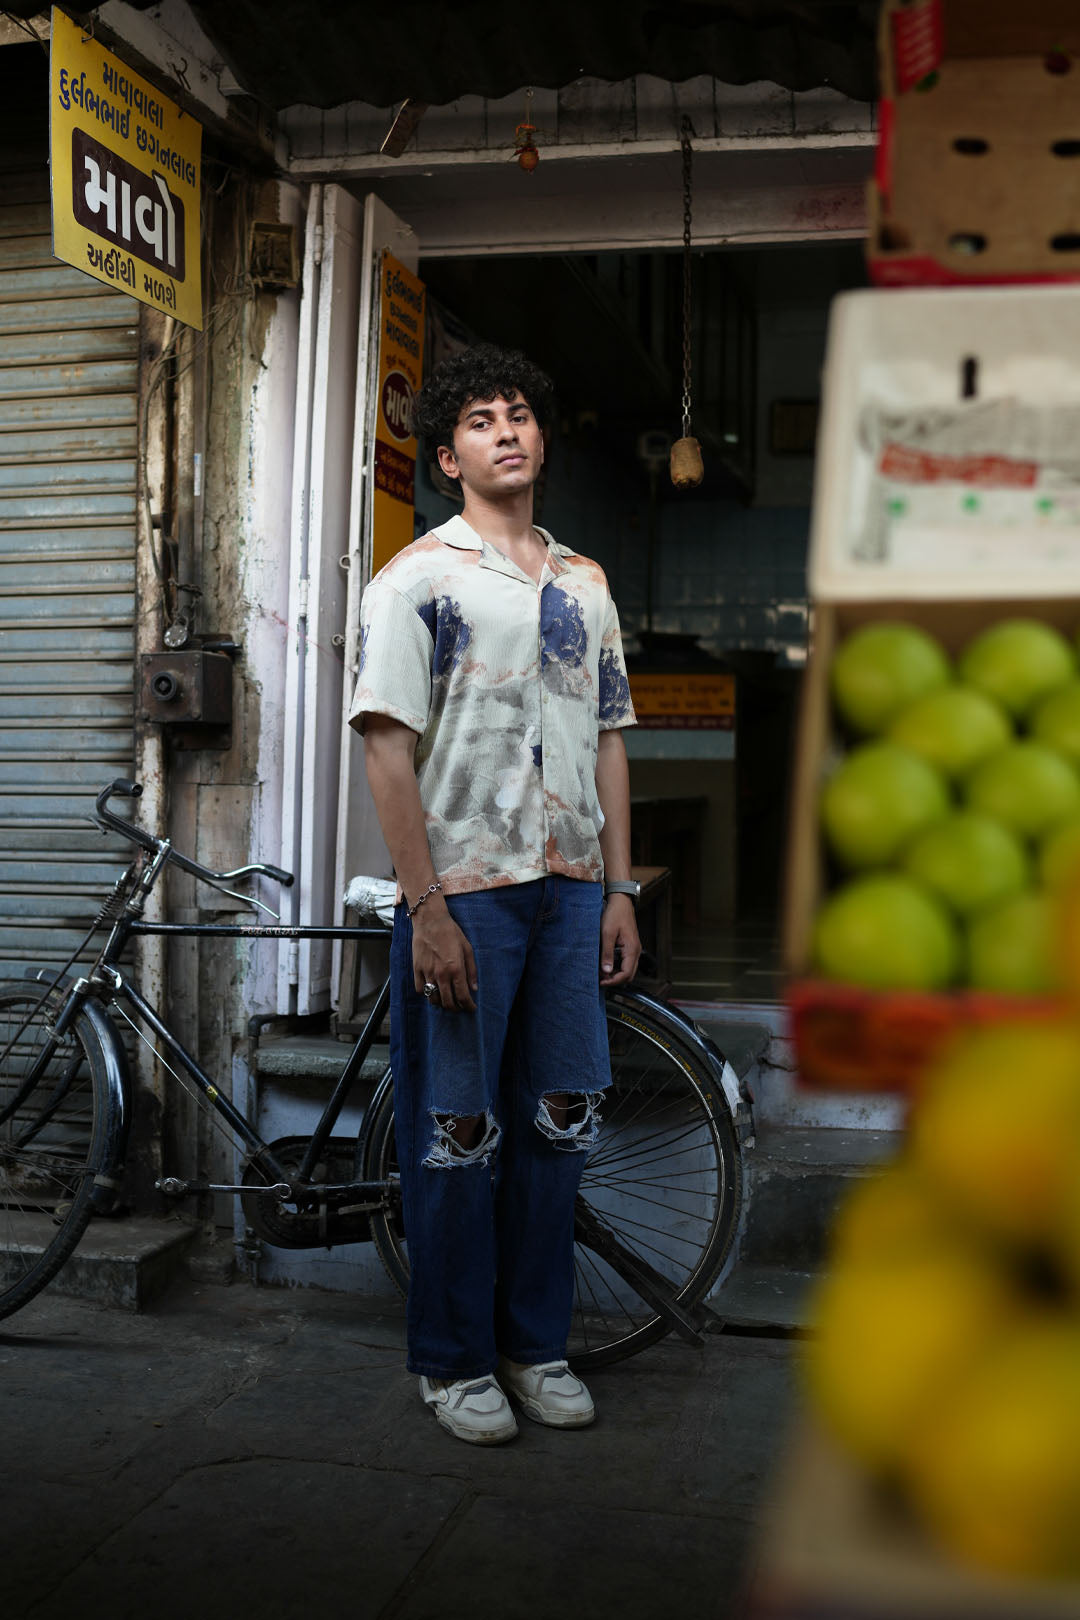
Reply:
x=1067, y=896
x=1025, y=786
x=968, y=861
x=887, y=933
x=996, y=1124
x=1065, y=1242
x=890, y=1214
x=995, y=1469
x=1017, y=662
x=1056, y=721
x=893, y=1336
x=1059, y=856
x=879, y=668
x=1013, y=947
x=953, y=729
x=877, y=799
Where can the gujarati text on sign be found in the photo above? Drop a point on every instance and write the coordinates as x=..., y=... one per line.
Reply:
x=684, y=702
x=126, y=178
x=400, y=373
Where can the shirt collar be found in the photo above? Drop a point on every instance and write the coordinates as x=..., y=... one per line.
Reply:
x=456, y=532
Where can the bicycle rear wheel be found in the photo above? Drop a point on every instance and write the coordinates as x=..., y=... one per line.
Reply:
x=55, y=1108
x=662, y=1186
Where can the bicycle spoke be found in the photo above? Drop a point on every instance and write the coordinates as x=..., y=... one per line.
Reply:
x=658, y=1148
x=656, y=1203
x=620, y=1223
x=583, y=1256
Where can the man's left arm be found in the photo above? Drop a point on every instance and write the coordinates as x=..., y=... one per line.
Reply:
x=618, y=931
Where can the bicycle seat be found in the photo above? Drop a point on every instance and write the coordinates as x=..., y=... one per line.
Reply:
x=372, y=899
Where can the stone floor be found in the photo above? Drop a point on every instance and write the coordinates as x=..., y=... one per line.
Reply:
x=262, y=1453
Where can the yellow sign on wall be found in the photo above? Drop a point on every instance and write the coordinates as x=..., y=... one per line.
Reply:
x=400, y=373
x=126, y=181
x=684, y=702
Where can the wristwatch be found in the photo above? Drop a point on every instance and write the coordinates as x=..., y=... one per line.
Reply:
x=629, y=886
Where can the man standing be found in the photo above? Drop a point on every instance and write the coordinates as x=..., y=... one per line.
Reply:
x=491, y=694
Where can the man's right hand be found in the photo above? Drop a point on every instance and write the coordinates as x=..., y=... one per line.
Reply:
x=443, y=956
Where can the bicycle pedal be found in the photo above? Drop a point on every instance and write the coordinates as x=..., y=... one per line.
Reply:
x=174, y=1187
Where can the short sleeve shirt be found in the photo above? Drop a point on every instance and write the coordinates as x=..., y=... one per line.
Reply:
x=507, y=682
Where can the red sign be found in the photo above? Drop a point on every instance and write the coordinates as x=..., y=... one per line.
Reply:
x=910, y=466
x=917, y=43
x=397, y=398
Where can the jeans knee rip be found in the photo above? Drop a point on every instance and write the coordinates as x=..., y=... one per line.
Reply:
x=579, y=1136
x=446, y=1153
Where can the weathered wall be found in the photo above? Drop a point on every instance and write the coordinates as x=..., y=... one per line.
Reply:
x=234, y=394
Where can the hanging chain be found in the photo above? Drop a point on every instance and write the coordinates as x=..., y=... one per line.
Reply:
x=687, y=158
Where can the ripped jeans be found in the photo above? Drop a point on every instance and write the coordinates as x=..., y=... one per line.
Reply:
x=490, y=1226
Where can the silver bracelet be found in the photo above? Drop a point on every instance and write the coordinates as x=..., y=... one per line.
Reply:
x=629, y=886
x=432, y=888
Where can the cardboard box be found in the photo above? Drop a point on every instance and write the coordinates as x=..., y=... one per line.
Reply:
x=847, y=1038
x=898, y=366
x=978, y=166
x=832, y=1545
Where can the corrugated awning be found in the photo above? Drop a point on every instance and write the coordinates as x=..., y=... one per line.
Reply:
x=439, y=50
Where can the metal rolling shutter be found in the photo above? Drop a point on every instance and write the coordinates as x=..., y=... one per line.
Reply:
x=68, y=459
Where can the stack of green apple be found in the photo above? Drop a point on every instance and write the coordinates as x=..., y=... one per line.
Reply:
x=952, y=819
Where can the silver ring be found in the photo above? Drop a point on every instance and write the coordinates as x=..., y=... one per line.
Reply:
x=431, y=991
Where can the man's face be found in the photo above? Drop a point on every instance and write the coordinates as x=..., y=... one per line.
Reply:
x=498, y=448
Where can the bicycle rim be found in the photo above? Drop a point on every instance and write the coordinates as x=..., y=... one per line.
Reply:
x=377, y=1153
x=664, y=1179
x=52, y=1142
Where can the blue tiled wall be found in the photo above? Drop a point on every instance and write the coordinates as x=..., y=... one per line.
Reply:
x=732, y=575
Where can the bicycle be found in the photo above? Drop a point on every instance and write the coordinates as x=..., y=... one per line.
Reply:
x=660, y=1197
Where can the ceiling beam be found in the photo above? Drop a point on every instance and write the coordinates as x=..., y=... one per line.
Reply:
x=375, y=165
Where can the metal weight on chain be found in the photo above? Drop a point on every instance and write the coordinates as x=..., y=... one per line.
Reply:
x=687, y=468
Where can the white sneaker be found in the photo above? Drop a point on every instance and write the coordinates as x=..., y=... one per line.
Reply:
x=549, y=1393
x=474, y=1409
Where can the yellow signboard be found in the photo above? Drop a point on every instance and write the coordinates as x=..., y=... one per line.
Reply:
x=400, y=373
x=684, y=702
x=126, y=182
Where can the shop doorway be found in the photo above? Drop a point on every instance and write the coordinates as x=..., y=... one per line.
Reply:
x=710, y=583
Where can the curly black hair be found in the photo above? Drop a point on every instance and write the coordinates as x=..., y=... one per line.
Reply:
x=482, y=372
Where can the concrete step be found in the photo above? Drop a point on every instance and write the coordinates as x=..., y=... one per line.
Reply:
x=763, y=1299
x=317, y=1057
x=126, y=1261
x=794, y=1180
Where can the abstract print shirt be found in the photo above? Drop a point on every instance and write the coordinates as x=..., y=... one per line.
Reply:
x=507, y=683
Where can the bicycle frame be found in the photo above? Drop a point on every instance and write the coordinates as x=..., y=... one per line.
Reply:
x=107, y=978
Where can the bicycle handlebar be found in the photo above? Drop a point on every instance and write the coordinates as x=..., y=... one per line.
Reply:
x=138, y=835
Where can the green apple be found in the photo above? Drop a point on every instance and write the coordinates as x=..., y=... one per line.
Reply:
x=1059, y=855
x=880, y=668
x=1056, y=721
x=968, y=861
x=884, y=932
x=953, y=729
x=1025, y=786
x=1012, y=947
x=1018, y=661
x=875, y=802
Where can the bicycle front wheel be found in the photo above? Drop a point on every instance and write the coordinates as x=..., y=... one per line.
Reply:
x=660, y=1192
x=54, y=1138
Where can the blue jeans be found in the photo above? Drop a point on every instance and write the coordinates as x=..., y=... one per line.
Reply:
x=490, y=1228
